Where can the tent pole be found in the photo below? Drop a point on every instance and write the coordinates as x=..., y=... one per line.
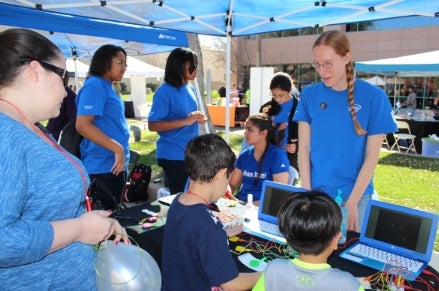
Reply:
x=200, y=102
x=76, y=76
x=227, y=128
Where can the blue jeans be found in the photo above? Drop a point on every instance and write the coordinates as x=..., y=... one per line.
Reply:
x=361, y=208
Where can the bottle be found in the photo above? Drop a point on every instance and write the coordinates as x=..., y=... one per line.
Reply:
x=249, y=207
x=344, y=219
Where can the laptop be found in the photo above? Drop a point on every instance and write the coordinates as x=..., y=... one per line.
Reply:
x=265, y=224
x=395, y=239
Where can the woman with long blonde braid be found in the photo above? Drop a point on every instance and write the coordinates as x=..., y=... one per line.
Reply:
x=342, y=122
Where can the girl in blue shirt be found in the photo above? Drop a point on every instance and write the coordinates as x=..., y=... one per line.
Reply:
x=340, y=136
x=175, y=116
x=101, y=121
x=264, y=160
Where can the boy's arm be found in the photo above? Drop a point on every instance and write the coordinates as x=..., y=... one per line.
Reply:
x=244, y=281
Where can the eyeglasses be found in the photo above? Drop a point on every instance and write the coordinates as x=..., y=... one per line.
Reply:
x=63, y=74
x=121, y=63
x=326, y=65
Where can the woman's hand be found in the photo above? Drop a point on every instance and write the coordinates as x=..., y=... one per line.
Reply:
x=119, y=162
x=96, y=227
x=197, y=116
x=282, y=126
x=291, y=147
x=352, y=216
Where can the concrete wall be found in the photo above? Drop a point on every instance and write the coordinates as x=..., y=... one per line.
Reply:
x=365, y=45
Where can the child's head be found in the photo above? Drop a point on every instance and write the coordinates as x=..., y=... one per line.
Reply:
x=259, y=124
x=310, y=222
x=280, y=87
x=205, y=155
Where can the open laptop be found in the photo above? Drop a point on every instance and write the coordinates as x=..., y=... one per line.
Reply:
x=401, y=239
x=265, y=224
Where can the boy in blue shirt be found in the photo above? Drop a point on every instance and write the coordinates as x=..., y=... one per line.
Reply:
x=196, y=255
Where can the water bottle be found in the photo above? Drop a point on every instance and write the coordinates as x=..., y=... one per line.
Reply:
x=344, y=219
x=249, y=208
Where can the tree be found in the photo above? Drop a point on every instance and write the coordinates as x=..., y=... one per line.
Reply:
x=194, y=44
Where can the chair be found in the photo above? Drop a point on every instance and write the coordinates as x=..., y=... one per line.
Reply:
x=293, y=176
x=385, y=142
x=404, y=134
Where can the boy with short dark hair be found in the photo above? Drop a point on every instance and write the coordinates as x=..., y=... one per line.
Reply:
x=196, y=255
x=310, y=222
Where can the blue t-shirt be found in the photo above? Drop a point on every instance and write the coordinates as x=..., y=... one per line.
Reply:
x=98, y=98
x=172, y=103
x=337, y=152
x=282, y=117
x=275, y=162
x=39, y=185
x=195, y=253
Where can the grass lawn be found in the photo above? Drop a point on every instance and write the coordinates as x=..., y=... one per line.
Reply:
x=407, y=180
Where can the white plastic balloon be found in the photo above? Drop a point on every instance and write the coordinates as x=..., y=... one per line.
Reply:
x=126, y=267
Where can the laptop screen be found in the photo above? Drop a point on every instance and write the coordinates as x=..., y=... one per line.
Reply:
x=409, y=232
x=272, y=197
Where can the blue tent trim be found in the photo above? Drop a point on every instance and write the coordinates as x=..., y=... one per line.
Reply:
x=20, y=16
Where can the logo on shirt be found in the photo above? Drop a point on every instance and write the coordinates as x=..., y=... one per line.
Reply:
x=248, y=174
x=357, y=107
x=304, y=280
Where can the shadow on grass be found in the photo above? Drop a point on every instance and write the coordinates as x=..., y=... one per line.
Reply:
x=410, y=161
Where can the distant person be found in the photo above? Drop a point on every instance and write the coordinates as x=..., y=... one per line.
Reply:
x=101, y=121
x=310, y=222
x=196, y=255
x=342, y=123
x=241, y=93
x=263, y=160
x=281, y=110
x=247, y=98
x=222, y=90
x=67, y=113
x=410, y=102
x=175, y=116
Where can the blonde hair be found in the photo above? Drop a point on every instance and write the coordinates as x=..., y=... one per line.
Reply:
x=340, y=43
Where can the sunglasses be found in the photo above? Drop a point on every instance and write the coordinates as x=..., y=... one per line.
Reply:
x=63, y=74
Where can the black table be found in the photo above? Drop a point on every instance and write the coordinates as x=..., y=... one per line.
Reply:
x=151, y=241
x=420, y=128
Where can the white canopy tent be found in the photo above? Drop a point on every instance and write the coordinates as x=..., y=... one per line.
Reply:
x=377, y=81
x=79, y=68
x=417, y=65
x=423, y=64
x=137, y=67
x=138, y=71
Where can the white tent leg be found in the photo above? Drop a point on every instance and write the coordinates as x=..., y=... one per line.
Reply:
x=228, y=49
x=200, y=102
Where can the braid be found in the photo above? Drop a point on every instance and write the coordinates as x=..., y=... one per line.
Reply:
x=350, y=80
x=340, y=43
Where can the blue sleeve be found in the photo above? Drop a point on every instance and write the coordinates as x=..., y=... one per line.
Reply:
x=280, y=161
x=160, y=105
x=87, y=102
x=23, y=240
x=302, y=112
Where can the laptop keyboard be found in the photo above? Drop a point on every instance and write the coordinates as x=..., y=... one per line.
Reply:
x=270, y=228
x=386, y=257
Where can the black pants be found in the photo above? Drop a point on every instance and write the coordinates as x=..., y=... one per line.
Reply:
x=114, y=184
x=175, y=175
